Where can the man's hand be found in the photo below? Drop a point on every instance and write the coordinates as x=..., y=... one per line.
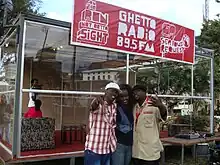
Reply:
x=96, y=102
x=155, y=101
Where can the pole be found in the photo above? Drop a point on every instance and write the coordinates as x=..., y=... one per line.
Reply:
x=192, y=93
x=5, y=13
x=18, y=89
x=192, y=80
x=212, y=96
x=127, y=69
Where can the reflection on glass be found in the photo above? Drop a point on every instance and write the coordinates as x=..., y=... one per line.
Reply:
x=65, y=109
x=162, y=77
x=7, y=87
x=172, y=78
x=59, y=66
x=202, y=76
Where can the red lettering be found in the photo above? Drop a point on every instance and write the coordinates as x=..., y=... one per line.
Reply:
x=148, y=112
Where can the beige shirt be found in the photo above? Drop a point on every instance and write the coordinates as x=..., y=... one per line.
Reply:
x=146, y=143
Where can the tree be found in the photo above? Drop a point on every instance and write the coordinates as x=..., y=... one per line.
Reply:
x=210, y=38
x=172, y=78
x=9, y=9
x=27, y=6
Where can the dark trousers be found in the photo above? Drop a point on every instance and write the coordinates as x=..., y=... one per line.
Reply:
x=145, y=162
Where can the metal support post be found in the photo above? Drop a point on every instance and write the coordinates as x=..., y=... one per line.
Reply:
x=192, y=94
x=18, y=89
x=127, y=69
x=72, y=161
x=192, y=80
x=212, y=96
x=182, y=154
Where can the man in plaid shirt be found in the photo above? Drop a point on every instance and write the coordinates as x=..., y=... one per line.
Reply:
x=101, y=140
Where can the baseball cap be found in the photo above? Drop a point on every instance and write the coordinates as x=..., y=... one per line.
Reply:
x=139, y=87
x=112, y=85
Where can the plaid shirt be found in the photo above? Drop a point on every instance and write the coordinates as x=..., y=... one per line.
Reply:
x=101, y=137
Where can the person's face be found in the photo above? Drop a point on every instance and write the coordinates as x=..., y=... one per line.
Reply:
x=139, y=94
x=124, y=97
x=111, y=95
x=3, y=99
x=35, y=83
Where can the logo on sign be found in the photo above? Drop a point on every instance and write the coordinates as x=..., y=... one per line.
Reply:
x=169, y=45
x=93, y=26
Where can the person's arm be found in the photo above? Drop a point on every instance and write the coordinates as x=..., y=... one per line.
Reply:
x=33, y=96
x=158, y=103
x=95, y=103
x=163, y=111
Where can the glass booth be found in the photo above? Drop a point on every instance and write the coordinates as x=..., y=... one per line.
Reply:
x=70, y=77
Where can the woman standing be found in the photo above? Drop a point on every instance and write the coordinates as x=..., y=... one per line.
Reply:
x=124, y=127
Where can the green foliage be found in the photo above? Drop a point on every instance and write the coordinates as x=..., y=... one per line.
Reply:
x=27, y=6
x=210, y=38
x=166, y=78
x=199, y=123
x=173, y=78
x=20, y=6
x=14, y=9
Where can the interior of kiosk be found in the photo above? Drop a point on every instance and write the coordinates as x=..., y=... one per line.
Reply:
x=72, y=76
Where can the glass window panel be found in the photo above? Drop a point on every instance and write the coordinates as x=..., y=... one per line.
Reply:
x=202, y=77
x=59, y=66
x=64, y=108
x=8, y=70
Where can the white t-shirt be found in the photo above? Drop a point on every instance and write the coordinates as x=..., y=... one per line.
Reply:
x=31, y=101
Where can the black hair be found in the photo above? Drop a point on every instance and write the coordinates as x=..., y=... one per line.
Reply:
x=130, y=95
x=33, y=80
x=38, y=104
x=139, y=87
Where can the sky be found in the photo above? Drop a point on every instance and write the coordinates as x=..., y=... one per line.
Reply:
x=187, y=13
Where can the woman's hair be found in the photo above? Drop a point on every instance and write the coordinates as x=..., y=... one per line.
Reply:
x=38, y=104
x=130, y=95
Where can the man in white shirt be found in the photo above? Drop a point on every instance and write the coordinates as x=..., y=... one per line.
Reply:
x=33, y=96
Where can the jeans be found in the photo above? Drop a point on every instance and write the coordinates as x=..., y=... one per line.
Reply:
x=91, y=158
x=5, y=131
x=122, y=155
x=144, y=162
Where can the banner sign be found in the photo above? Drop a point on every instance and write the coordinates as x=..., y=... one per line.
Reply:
x=99, y=25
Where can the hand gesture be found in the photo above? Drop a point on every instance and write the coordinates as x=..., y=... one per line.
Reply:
x=96, y=102
x=155, y=101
